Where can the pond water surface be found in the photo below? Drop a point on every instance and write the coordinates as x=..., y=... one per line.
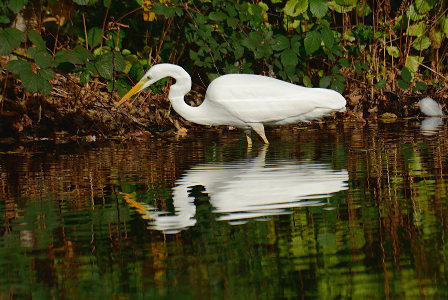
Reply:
x=336, y=210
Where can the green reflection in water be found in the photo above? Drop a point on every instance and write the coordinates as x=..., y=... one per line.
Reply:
x=74, y=223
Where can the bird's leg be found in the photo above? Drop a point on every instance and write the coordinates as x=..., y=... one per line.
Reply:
x=259, y=128
x=249, y=139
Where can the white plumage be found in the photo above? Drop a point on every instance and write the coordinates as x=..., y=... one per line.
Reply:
x=430, y=107
x=243, y=100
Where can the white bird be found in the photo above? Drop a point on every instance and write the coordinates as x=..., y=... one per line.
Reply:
x=244, y=101
x=430, y=107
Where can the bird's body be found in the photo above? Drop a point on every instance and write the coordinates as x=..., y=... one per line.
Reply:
x=244, y=101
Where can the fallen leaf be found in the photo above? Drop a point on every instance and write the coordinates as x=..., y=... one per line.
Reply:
x=182, y=131
x=355, y=99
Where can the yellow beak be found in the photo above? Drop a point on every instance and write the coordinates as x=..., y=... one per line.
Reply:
x=129, y=94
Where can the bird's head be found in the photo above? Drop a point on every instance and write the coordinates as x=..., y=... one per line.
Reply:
x=149, y=78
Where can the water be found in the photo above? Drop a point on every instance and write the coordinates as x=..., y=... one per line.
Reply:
x=347, y=210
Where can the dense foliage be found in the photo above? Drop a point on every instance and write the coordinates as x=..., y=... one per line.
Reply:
x=367, y=49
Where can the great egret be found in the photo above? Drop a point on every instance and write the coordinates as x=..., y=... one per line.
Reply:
x=244, y=101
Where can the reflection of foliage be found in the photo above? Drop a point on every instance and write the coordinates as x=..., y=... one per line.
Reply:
x=65, y=228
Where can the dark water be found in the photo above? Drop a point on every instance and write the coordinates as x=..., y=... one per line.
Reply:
x=348, y=210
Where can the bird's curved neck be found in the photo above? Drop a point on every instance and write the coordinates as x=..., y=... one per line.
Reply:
x=177, y=94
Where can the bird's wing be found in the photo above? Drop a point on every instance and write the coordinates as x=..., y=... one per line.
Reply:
x=254, y=98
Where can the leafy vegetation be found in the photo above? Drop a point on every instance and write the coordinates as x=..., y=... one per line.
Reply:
x=360, y=48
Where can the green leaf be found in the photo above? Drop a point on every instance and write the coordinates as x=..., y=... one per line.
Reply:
x=413, y=14
x=43, y=59
x=416, y=29
x=91, y=67
x=324, y=82
x=239, y=52
x=313, y=40
x=420, y=86
x=296, y=44
x=81, y=2
x=307, y=81
x=94, y=36
x=232, y=22
x=32, y=52
x=422, y=43
x=37, y=40
x=380, y=84
x=343, y=6
x=217, y=16
x=346, y=2
x=104, y=67
x=327, y=37
x=252, y=41
x=363, y=10
x=18, y=66
x=344, y=62
x=403, y=84
x=338, y=86
x=167, y=12
x=136, y=72
x=318, y=8
x=10, y=38
x=108, y=63
x=423, y=6
x=86, y=54
x=70, y=56
x=393, y=51
x=289, y=58
x=16, y=5
x=360, y=67
x=47, y=74
x=4, y=19
x=280, y=42
x=293, y=8
x=35, y=83
x=406, y=75
x=445, y=25
x=264, y=50
x=349, y=36
x=413, y=62
x=85, y=77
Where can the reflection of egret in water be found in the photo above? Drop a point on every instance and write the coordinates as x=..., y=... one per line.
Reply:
x=431, y=125
x=247, y=189
x=433, y=110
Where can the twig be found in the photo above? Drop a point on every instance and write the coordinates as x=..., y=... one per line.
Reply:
x=128, y=13
x=434, y=71
x=104, y=22
x=85, y=30
x=5, y=82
